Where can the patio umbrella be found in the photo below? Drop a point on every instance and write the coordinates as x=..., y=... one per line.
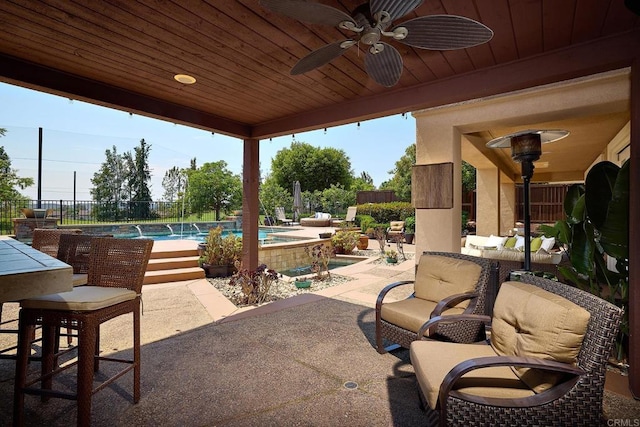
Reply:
x=297, y=201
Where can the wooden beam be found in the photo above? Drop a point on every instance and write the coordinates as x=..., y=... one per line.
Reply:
x=581, y=60
x=634, y=230
x=250, y=205
x=33, y=76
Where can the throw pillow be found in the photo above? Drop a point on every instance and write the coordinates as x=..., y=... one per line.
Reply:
x=496, y=241
x=548, y=243
x=519, y=243
x=511, y=242
x=536, y=243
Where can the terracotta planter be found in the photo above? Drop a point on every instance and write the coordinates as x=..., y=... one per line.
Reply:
x=363, y=243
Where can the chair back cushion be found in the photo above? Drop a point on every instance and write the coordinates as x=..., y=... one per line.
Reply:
x=396, y=225
x=438, y=277
x=531, y=322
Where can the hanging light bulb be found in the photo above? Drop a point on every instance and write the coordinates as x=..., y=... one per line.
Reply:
x=358, y=125
x=325, y=131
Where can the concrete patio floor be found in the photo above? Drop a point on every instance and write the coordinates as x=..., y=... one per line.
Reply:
x=307, y=360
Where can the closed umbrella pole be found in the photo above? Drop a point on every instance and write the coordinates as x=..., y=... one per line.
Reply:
x=297, y=201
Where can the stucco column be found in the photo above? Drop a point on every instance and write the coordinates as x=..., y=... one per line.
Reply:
x=508, y=212
x=250, y=205
x=487, y=201
x=439, y=229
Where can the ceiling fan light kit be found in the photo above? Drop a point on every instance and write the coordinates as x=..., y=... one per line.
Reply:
x=370, y=22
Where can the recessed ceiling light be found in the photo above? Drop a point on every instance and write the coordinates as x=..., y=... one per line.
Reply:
x=185, y=79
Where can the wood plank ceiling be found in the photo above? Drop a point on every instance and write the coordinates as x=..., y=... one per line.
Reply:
x=124, y=54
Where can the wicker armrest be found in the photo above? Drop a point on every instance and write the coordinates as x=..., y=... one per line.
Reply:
x=432, y=324
x=446, y=388
x=388, y=288
x=454, y=300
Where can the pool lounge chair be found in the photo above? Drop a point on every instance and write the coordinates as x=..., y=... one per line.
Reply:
x=281, y=217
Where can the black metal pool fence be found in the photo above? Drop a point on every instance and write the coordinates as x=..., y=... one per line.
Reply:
x=70, y=212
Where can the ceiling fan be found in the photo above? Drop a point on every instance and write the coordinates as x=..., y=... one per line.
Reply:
x=371, y=23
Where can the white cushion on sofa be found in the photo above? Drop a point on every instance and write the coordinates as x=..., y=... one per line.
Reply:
x=496, y=241
x=547, y=243
x=519, y=243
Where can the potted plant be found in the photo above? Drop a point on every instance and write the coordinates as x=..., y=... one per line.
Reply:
x=220, y=254
x=409, y=229
x=392, y=256
x=344, y=242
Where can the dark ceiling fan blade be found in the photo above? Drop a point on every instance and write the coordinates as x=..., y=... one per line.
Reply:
x=313, y=13
x=395, y=8
x=321, y=56
x=445, y=32
x=633, y=6
x=384, y=67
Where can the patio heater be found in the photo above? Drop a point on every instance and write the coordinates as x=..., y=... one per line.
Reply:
x=526, y=149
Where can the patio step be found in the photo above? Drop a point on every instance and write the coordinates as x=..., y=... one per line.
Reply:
x=172, y=265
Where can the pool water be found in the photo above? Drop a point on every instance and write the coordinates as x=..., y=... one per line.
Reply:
x=200, y=237
x=334, y=263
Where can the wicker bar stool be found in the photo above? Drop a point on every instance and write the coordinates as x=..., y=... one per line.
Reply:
x=116, y=273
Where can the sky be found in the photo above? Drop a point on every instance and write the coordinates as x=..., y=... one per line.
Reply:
x=77, y=134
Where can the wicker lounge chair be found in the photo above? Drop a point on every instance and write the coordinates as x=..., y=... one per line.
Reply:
x=395, y=231
x=281, y=217
x=545, y=366
x=446, y=283
x=116, y=273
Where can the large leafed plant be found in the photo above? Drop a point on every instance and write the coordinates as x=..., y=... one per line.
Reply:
x=596, y=228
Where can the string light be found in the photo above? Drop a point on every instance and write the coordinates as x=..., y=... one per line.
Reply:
x=358, y=125
x=325, y=131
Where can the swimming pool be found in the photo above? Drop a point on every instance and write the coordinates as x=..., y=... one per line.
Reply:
x=264, y=236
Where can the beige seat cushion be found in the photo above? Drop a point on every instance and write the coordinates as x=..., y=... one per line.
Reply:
x=80, y=279
x=432, y=360
x=412, y=313
x=82, y=298
x=438, y=277
x=529, y=321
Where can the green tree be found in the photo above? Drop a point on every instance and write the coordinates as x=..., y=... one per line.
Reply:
x=401, y=180
x=213, y=186
x=173, y=183
x=109, y=186
x=468, y=177
x=273, y=195
x=336, y=199
x=138, y=178
x=9, y=179
x=315, y=168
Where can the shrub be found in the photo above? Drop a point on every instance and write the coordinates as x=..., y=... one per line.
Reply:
x=410, y=224
x=255, y=284
x=320, y=255
x=345, y=241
